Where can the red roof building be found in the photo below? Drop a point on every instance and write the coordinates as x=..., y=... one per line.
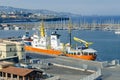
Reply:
x=14, y=73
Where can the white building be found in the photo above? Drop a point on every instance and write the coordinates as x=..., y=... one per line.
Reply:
x=9, y=48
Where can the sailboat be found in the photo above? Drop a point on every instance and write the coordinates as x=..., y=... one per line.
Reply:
x=52, y=45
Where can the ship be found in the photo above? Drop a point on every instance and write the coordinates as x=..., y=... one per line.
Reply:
x=51, y=45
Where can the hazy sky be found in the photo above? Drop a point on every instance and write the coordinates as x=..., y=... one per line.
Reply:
x=84, y=7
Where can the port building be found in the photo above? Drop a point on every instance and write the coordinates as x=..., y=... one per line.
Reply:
x=11, y=48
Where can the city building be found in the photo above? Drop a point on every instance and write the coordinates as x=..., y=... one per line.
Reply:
x=11, y=48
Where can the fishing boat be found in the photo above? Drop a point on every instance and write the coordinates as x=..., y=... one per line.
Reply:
x=52, y=45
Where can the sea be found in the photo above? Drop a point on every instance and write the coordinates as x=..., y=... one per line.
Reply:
x=107, y=43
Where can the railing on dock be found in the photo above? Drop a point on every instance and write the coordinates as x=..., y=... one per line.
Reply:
x=110, y=63
x=93, y=76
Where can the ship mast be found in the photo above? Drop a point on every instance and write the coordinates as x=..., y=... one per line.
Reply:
x=69, y=28
x=42, y=29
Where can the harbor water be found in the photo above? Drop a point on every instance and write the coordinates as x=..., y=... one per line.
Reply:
x=106, y=43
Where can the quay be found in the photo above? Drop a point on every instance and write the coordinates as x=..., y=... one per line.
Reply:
x=83, y=68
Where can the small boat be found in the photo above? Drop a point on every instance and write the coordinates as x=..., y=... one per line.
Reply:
x=52, y=46
x=117, y=31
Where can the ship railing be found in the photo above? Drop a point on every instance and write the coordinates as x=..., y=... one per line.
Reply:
x=93, y=76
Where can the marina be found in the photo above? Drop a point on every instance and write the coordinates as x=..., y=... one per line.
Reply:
x=52, y=40
x=45, y=47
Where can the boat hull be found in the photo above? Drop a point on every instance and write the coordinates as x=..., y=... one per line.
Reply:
x=57, y=53
x=43, y=51
x=84, y=57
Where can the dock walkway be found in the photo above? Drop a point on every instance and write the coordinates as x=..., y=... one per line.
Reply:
x=109, y=70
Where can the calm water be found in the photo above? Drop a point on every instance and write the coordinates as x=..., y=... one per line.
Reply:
x=106, y=43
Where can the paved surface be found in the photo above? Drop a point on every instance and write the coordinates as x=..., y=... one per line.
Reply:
x=66, y=73
x=108, y=73
x=111, y=73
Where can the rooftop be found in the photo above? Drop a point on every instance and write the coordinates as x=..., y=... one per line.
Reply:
x=17, y=71
x=8, y=42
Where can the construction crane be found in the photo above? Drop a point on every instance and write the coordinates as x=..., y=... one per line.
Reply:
x=87, y=44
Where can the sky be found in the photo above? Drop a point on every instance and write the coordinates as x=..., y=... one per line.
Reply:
x=83, y=7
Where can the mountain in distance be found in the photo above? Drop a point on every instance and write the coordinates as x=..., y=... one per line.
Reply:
x=8, y=9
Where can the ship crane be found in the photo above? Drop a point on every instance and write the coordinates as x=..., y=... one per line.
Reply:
x=87, y=44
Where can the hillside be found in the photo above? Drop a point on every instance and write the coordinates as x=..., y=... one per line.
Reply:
x=7, y=9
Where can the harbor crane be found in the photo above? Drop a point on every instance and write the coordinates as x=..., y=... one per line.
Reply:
x=87, y=44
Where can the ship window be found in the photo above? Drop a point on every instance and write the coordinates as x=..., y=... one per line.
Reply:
x=78, y=53
x=94, y=53
x=90, y=53
x=85, y=53
x=81, y=53
x=74, y=53
x=66, y=52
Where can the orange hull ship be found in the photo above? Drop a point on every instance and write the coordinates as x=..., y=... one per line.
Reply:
x=43, y=51
x=57, y=52
x=84, y=57
x=52, y=46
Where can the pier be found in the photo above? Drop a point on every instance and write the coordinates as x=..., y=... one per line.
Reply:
x=87, y=70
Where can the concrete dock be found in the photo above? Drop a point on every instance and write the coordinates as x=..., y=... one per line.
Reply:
x=69, y=68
